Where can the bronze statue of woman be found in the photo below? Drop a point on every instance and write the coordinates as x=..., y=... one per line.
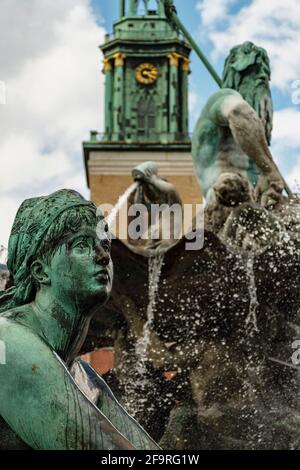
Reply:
x=59, y=258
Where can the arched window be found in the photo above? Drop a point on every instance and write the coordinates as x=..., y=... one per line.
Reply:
x=146, y=119
x=151, y=113
x=141, y=114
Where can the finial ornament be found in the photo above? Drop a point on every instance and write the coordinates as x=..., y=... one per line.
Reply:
x=185, y=64
x=170, y=10
x=107, y=65
x=174, y=59
x=119, y=59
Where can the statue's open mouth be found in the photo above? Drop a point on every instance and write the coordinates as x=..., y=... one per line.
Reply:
x=103, y=276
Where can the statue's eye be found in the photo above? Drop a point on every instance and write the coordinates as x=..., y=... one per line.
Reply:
x=82, y=245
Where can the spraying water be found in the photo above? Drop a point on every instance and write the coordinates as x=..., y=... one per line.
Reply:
x=251, y=320
x=155, y=264
x=122, y=199
x=137, y=384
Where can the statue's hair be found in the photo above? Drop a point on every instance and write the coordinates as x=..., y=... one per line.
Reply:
x=68, y=222
x=233, y=78
x=41, y=226
x=255, y=91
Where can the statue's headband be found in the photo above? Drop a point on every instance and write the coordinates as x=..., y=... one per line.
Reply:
x=34, y=217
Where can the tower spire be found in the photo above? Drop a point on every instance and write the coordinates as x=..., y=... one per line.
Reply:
x=122, y=8
x=132, y=7
x=146, y=67
x=135, y=4
x=161, y=8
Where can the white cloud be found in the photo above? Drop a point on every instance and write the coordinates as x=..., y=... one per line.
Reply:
x=293, y=177
x=8, y=209
x=274, y=25
x=286, y=144
x=25, y=165
x=193, y=101
x=2, y=93
x=27, y=30
x=213, y=11
x=52, y=69
x=286, y=127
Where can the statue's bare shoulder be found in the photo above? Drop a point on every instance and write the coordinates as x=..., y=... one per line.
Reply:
x=25, y=353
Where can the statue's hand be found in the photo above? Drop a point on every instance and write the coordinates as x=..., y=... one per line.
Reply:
x=146, y=179
x=269, y=190
x=144, y=172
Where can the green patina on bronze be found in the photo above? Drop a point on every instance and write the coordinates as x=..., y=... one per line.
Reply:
x=171, y=14
x=143, y=116
x=234, y=128
x=254, y=87
x=59, y=257
x=144, y=38
x=247, y=70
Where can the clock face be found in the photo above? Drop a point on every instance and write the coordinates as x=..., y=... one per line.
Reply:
x=146, y=73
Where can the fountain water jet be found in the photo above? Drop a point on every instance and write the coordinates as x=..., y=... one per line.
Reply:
x=251, y=320
x=139, y=382
x=122, y=200
x=155, y=263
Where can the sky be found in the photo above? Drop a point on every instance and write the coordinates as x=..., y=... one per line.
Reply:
x=52, y=88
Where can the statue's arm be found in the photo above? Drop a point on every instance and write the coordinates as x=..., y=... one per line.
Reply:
x=41, y=402
x=204, y=152
x=230, y=109
x=206, y=138
x=165, y=187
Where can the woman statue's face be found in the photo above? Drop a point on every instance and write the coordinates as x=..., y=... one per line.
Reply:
x=81, y=269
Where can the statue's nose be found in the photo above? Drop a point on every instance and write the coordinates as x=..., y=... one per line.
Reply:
x=102, y=257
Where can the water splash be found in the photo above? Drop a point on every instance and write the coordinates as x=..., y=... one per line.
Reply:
x=155, y=264
x=251, y=320
x=250, y=250
x=122, y=199
x=137, y=383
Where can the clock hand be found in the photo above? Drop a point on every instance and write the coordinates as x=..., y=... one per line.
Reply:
x=150, y=74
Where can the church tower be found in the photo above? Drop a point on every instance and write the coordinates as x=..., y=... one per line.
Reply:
x=146, y=67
